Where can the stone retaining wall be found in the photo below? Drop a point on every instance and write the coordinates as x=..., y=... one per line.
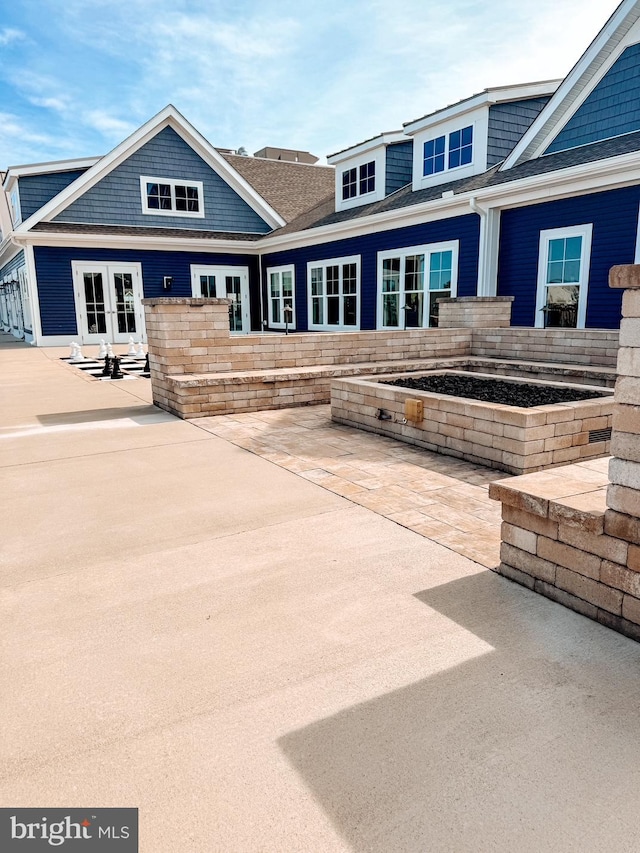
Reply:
x=480, y=312
x=595, y=347
x=576, y=538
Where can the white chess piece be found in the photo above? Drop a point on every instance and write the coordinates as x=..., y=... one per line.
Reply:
x=109, y=351
x=74, y=347
x=103, y=349
x=132, y=348
x=78, y=356
x=140, y=353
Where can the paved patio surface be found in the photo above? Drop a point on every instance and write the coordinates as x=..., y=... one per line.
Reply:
x=261, y=665
x=440, y=497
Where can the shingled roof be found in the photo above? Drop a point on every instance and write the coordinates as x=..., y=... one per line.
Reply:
x=290, y=188
x=325, y=214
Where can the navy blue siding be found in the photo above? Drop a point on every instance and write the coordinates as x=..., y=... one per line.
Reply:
x=55, y=282
x=614, y=216
x=613, y=108
x=466, y=229
x=36, y=190
x=116, y=199
x=13, y=264
x=507, y=125
x=399, y=166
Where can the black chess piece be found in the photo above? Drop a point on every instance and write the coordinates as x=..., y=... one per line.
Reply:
x=107, y=366
x=147, y=369
x=116, y=373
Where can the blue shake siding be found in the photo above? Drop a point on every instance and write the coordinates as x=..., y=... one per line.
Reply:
x=36, y=190
x=15, y=263
x=116, y=199
x=55, y=281
x=612, y=109
x=466, y=229
x=614, y=216
x=399, y=166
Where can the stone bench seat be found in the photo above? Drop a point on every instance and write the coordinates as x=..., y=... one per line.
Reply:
x=324, y=371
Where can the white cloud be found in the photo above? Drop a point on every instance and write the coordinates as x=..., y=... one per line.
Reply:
x=107, y=124
x=9, y=35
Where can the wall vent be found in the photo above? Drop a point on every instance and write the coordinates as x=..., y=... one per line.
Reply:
x=596, y=435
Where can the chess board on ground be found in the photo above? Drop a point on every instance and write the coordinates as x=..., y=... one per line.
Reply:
x=131, y=368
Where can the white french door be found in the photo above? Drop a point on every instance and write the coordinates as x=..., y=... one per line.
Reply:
x=108, y=301
x=225, y=283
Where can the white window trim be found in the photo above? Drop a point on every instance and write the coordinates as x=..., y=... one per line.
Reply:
x=447, y=146
x=584, y=231
x=14, y=204
x=452, y=246
x=173, y=182
x=280, y=270
x=636, y=259
x=358, y=167
x=331, y=262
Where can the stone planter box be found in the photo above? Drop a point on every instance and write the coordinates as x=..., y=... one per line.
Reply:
x=508, y=438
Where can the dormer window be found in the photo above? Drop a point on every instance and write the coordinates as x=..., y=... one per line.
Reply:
x=434, y=156
x=168, y=197
x=461, y=147
x=359, y=180
x=448, y=152
x=349, y=183
x=14, y=200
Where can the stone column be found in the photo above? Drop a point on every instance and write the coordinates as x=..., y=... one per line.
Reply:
x=479, y=312
x=622, y=518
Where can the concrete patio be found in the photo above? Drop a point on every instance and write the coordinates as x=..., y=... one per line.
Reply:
x=278, y=657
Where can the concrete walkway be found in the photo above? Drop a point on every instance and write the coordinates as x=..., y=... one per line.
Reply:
x=260, y=664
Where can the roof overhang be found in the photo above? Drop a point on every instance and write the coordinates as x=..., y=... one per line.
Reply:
x=368, y=145
x=487, y=98
x=579, y=82
x=168, y=117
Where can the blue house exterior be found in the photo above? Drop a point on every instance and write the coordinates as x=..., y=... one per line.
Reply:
x=530, y=191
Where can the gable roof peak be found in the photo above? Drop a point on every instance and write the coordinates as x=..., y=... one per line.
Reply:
x=577, y=85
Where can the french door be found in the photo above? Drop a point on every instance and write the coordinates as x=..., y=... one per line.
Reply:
x=108, y=301
x=225, y=283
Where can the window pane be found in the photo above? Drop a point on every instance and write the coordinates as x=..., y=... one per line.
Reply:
x=275, y=284
x=333, y=280
x=572, y=271
x=287, y=283
x=317, y=281
x=349, y=184
x=350, y=309
x=390, y=274
x=573, y=248
x=555, y=272
x=390, y=302
x=556, y=250
x=413, y=310
x=434, y=307
x=349, y=280
x=316, y=311
x=414, y=272
x=454, y=158
x=275, y=311
x=333, y=310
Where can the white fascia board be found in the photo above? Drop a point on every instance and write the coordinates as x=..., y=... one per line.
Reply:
x=150, y=243
x=599, y=56
x=168, y=117
x=15, y=172
x=494, y=95
x=8, y=250
x=574, y=181
x=369, y=145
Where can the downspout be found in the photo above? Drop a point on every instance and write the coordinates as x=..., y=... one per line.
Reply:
x=486, y=283
x=261, y=301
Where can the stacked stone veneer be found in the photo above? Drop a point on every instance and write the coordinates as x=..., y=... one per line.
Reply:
x=198, y=368
x=508, y=438
x=573, y=534
x=593, y=347
x=479, y=312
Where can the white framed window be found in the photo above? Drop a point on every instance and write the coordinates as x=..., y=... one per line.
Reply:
x=563, y=277
x=14, y=200
x=411, y=280
x=281, y=297
x=448, y=151
x=169, y=197
x=359, y=180
x=333, y=289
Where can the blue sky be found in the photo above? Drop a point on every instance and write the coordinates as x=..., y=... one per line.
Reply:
x=78, y=76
